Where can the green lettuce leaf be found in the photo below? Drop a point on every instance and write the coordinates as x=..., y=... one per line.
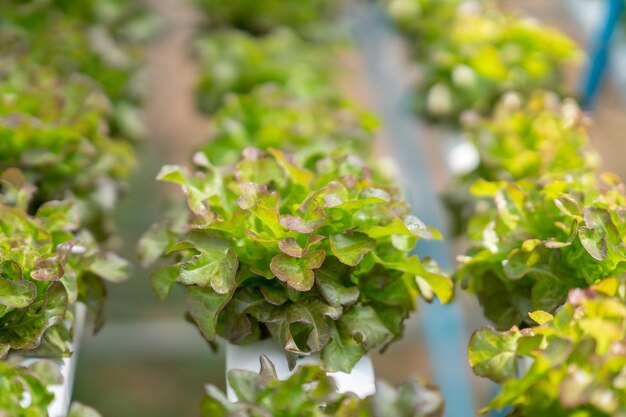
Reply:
x=309, y=391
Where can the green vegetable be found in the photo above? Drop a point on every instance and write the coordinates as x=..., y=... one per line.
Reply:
x=124, y=17
x=310, y=392
x=275, y=117
x=577, y=359
x=424, y=22
x=542, y=138
x=99, y=39
x=235, y=62
x=46, y=265
x=486, y=55
x=539, y=242
x=259, y=18
x=52, y=129
x=23, y=388
x=316, y=258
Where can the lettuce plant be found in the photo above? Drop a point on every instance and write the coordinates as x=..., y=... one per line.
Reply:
x=46, y=265
x=423, y=21
x=122, y=16
x=576, y=360
x=310, y=392
x=272, y=116
x=260, y=18
x=316, y=258
x=101, y=40
x=52, y=129
x=543, y=138
x=540, y=241
x=236, y=62
x=486, y=55
x=24, y=388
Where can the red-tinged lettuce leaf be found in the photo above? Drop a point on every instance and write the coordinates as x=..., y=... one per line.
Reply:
x=204, y=306
x=24, y=328
x=297, y=272
x=313, y=334
x=214, y=268
x=47, y=268
x=15, y=292
x=290, y=246
x=300, y=225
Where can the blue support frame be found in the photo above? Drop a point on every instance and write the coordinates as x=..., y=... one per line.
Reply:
x=600, y=52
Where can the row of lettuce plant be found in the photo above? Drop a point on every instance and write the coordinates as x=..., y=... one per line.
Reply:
x=470, y=53
x=67, y=119
x=102, y=40
x=540, y=138
x=293, y=232
x=546, y=232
